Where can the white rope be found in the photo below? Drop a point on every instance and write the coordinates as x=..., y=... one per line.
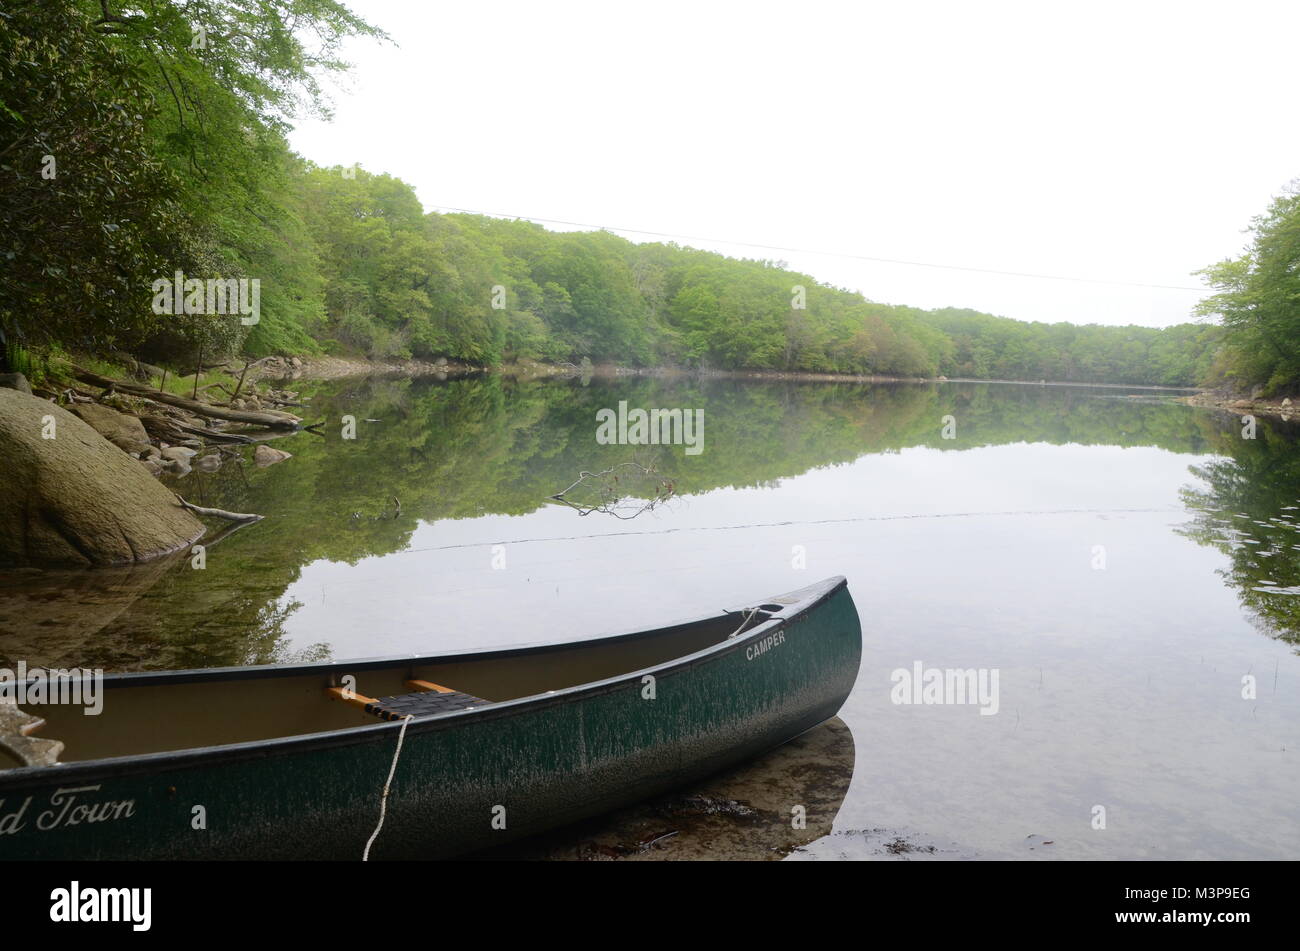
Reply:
x=748, y=618
x=383, y=799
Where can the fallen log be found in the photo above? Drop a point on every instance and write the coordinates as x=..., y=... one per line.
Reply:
x=269, y=418
x=169, y=430
x=160, y=427
x=215, y=435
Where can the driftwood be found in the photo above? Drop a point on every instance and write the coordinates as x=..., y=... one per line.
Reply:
x=270, y=418
x=161, y=427
x=215, y=435
x=219, y=513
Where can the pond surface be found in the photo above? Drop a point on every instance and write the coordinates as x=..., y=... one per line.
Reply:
x=1123, y=562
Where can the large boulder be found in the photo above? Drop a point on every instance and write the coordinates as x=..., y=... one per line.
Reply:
x=76, y=499
x=125, y=432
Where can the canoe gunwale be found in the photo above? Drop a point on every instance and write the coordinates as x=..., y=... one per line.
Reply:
x=798, y=604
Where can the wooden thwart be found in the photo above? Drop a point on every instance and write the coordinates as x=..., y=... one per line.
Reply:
x=429, y=699
x=428, y=685
x=350, y=697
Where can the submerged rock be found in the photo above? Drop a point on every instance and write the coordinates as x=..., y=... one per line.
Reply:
x=73, y=498
x=266, y=456
x=181, y=454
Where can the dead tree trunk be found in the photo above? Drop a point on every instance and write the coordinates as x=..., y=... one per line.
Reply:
x=269, y=418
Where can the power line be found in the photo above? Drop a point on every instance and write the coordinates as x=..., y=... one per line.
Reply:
x=833, y=254
x=790, y=523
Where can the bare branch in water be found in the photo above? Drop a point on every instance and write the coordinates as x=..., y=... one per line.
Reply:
x=603, y=492
x=219, y=513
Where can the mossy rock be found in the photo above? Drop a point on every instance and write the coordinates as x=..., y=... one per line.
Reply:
x=70, y=497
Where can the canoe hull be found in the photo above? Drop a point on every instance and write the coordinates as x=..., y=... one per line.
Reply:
x=462, y=782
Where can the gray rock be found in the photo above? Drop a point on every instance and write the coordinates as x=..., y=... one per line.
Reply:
x=178, y=454
x=125, y=432
x=76, y=499
x=15, y=381
x=265, y=456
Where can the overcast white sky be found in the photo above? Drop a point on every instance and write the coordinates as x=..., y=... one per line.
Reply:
x=1126, y=142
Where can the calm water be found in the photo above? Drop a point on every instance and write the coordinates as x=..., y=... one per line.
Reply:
x=1123, y=562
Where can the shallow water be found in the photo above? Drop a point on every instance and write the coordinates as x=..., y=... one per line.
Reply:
x=1122, y=562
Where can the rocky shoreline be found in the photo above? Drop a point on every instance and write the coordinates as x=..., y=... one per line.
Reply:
x=1284, y=407
x=86, y=452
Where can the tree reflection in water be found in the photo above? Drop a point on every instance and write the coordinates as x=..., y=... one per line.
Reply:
x=1249, y=509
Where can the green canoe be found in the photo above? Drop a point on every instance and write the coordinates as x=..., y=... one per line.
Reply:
x=290, y=762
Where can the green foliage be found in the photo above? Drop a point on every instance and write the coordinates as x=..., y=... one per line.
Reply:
x=167, y=123
x=398, y=287
x=90, y=212
x=228, y=75
x=1258, y=299
x=988, y=347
